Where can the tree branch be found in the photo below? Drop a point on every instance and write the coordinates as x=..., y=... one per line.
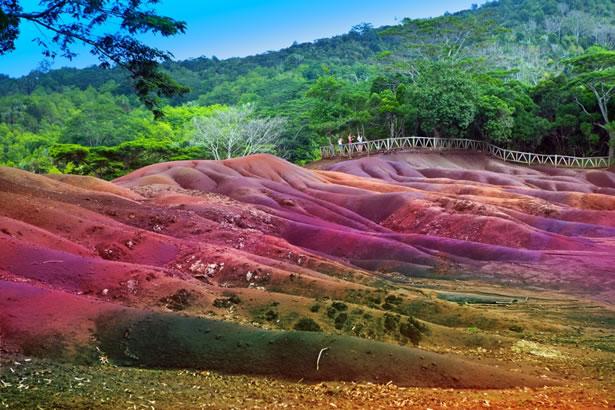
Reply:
x=44, y=13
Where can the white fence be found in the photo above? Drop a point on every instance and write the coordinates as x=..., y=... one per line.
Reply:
x=458, y=144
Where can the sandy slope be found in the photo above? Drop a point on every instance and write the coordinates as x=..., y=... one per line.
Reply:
x=77, y=253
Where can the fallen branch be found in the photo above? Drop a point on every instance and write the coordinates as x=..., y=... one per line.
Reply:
x=319, y=356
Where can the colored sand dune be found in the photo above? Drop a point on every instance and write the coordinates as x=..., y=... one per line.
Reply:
x=88, y=266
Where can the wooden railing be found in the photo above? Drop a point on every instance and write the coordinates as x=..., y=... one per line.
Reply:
x=458, y=144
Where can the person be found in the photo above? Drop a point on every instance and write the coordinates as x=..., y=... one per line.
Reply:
x=360, y=141
x=340, y=144
x=350, y=138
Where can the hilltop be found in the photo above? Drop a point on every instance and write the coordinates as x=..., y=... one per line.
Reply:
x=496, y=73
x=520, y=35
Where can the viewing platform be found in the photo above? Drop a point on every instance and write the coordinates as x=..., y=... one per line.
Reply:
x=389, y=145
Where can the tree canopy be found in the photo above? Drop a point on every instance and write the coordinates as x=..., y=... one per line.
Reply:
x=86, y=22
x=524, y=80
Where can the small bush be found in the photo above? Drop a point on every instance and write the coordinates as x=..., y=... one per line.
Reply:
x=307, y=325
x=227, y=302
x=271, y=315
x=315, y=308
x=413, y=330
x=340, y=320
x=340, y=306
x=375, y=299
x=180, y=300
x=331, y=312
x=234, y=299
x=393, y=300
x=516, y=328
x=391, y=323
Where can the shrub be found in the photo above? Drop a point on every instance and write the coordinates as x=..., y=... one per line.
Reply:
x=234, y=299
x=227, y=302
x=315, y=308
x=391, y=323
x=413, y=330
x=179, y=300
x=516, y=328
x=393, y=300
x=271, y=315
x=340, y=320
x=340, y=306
x=307, y=325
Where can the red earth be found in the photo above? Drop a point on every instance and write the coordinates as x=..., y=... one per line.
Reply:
x=417, y=212
x=75, y=248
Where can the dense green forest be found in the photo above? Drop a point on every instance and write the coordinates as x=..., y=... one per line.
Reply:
x=533, y=75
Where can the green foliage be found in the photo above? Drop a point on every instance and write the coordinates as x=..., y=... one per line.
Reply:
x=391, y=323
x=340, y=320
x=594, y=71
x=83, y=21
x=227, y=302
x=496, y=119
x=518, y=73
x=413, y=330
x=307, y=324
x=339, y=306
x=446, y=99
x=271, y=315
x=315, y=308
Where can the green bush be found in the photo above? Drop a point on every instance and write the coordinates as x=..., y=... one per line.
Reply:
x=227, y=302
x=393, y=300
x=413, y=330
x=339, y=306
x=271, y=315
x=391, y=323
x=340, y=320
x=307, y=325
x=516, y=328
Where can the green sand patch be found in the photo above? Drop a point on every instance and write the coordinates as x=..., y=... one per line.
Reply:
x=172, y=341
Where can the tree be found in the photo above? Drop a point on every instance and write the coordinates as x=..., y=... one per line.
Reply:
x=446, y=100
x=595, y=71
x=446, y=38
x=236, y=132
x=495, y=119
x=80, y=21
x=328, y=114
x=389, y=104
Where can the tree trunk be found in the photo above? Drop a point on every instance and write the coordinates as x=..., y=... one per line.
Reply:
x=611, y=147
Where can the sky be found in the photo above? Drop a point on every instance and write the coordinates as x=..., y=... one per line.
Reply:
x=237, y=28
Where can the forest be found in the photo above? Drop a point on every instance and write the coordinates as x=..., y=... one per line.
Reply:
x=529, y=75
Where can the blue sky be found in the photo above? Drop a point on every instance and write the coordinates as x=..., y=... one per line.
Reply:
x=229, y=28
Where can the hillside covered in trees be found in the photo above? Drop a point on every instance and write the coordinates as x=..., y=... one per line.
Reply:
x=525, y=74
